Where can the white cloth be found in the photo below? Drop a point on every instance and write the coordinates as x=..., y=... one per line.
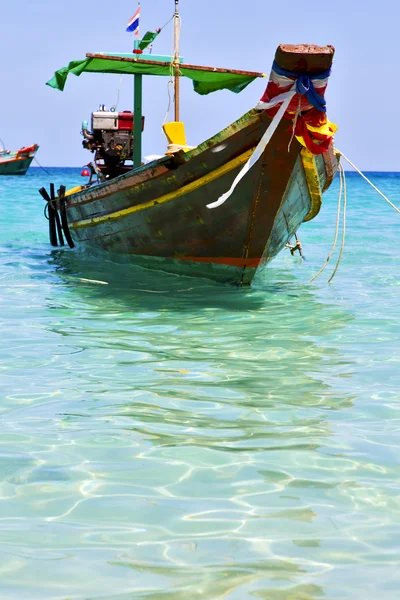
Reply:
x=285, y=98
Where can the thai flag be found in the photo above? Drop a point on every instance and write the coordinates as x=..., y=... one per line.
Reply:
x=133, y=23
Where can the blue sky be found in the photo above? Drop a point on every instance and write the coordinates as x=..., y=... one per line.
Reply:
x=39, y=37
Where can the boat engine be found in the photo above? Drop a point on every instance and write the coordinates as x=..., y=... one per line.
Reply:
x=110, y=139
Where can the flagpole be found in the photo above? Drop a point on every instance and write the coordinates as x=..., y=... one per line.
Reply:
x=176, y=58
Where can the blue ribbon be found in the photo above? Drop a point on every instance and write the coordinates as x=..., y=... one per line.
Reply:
x=305, y=86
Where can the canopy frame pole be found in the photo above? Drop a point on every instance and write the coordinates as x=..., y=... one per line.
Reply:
x=176, y=58
x=137, y=120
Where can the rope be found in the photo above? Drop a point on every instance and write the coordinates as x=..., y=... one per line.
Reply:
x=175, y=61
x=296, y=116
x=341, y=168
x=368, y=181
x=170, y=83
x=36, y=160
x=178, y=37
x=343, y=190
x=172, y=148
x=169, y=21
x=337, y=227
x=171, y=72
x=158, y=31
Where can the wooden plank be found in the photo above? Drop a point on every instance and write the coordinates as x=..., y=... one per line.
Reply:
x=157, y=63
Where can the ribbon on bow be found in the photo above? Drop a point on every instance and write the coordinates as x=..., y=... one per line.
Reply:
x=302, y=85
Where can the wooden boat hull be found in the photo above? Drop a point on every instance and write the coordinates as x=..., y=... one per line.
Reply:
x=17, y=163
x=158, y=213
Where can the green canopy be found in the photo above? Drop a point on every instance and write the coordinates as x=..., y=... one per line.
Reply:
x=205, y=79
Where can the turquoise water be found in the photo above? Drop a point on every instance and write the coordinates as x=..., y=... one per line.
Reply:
x=171, y=438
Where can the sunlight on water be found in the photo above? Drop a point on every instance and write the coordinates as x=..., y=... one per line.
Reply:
x=166, y=437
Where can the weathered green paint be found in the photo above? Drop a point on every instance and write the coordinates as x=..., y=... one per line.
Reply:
x=137, y=121
x=15, y=167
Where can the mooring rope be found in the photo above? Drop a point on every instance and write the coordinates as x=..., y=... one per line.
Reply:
x=341, y=173
x=295, y=118
x=36, y=160
x=368, y=181
x=343, y=191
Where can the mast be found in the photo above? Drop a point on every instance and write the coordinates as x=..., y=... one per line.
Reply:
x=137, y=108
x=137, y=120
x=176, y=58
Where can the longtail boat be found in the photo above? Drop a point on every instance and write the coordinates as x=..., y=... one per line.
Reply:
x=220, y=209
x=17, y=162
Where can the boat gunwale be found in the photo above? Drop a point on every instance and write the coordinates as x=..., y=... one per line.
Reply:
x=169, y=196
x=250, y=118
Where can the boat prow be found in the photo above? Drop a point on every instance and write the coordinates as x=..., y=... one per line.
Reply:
x=17, y=162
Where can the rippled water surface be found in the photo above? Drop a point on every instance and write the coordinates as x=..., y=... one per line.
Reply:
x=171, y=438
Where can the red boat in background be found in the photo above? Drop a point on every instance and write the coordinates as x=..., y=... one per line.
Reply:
x=17, y=162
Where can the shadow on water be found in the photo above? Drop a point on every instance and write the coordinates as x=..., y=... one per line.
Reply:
x=194, y=355
x=99, y=278
x=199, y=417
x=108, y=281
